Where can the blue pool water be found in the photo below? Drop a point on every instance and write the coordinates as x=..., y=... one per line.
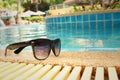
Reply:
x=99, y=31
x=77, y=42
x=12, y=34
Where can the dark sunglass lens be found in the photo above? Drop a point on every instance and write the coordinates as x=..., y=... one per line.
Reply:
x=57, y=47
x=42, y=50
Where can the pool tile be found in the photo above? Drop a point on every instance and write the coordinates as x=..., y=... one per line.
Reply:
x=100, y=16
x=116, y=25
x=79, y=18
x=79, y=25
x=73, y=18
x=93, y=28
x=68, y=19
x=55, y=19
x=85, y=17
x=86, y=28
x=86, y=25
x=108, y=24
x=108, y=16
x=58, y=25
x=79, y=29
x=116, y=15
x=100, y=25
x=59, y=19
x=63, y=19
x=100, y=28
x=63, y=25
x=92, y=17
x=93, y=25
x=108, y=27
x=73, y=25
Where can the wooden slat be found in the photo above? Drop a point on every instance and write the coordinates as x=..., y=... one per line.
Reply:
x=40, y=73
x=29, y=72
x=87, y=73
x=52, y=73
x=63, y=74
x=12, y=69
x=18, y=72
x=99, y=73
x=8, y=66
x=2, y=64
x=75, y=74
x=112, y=73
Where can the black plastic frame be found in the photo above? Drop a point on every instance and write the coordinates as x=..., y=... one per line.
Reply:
x=21, y=45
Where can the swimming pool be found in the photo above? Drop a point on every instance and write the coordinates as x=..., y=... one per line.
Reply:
x=20, y=33
x=94, y=30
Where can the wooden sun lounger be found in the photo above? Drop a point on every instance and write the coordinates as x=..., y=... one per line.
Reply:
x=23, y=71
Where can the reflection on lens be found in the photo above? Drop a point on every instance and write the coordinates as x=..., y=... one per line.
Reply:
x=57, y=47
x=42, y=50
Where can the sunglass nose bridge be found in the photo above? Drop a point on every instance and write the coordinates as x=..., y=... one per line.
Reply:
x=52, y=44
x=32, y=42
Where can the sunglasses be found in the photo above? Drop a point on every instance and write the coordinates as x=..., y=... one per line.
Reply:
x=41, y=47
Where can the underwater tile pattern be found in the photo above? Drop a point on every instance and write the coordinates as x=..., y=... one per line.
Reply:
x=103, y=26
x=102, y=23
